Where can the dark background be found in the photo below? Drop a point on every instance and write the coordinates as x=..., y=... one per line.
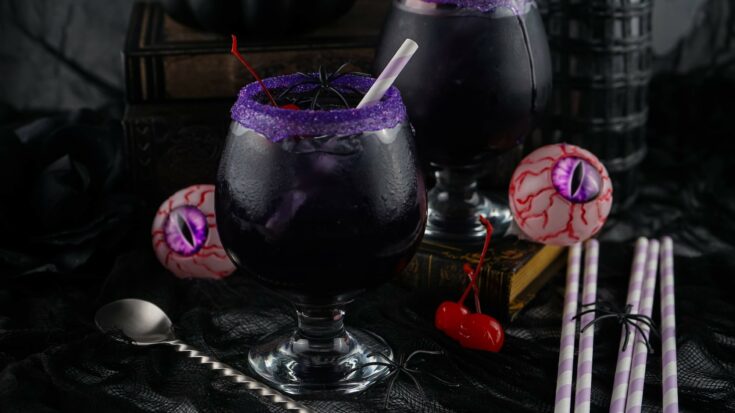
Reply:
x=65, y=54
x=73, y=239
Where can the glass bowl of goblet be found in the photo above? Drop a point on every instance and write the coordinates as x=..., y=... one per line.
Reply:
x=320, y=205
x=474, y=91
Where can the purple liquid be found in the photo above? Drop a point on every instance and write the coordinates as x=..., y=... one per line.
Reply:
x=477, y=83
x=321, y=218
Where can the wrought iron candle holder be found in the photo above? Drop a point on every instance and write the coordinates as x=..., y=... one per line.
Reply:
x=601, y=53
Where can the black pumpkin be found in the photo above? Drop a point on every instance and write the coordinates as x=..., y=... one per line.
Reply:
x=256, y=16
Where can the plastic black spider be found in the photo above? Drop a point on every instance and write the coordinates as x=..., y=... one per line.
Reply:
x=402, y=367
x=624, y=318
x=323, y=86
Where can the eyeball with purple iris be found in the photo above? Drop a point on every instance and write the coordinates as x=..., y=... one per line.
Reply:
x=560, y=194
x=185, y=236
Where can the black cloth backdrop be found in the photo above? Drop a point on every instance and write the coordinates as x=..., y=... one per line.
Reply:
x=73, y=239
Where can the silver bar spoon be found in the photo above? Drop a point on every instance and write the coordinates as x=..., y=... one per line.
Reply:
x=146, y=324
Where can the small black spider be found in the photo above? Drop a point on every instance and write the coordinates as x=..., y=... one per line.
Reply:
x=624, y=318
x=402, y=367
x=323, y=86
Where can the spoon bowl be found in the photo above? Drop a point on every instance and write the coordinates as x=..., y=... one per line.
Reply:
x=146, y=324
x=142, y=321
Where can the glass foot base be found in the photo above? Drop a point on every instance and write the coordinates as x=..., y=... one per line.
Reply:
x=297, y=365
x=461, y=224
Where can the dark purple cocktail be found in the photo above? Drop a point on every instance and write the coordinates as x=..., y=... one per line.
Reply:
x=473, y=90
x=320, y=205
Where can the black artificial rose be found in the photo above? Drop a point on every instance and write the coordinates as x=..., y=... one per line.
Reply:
x=61, y=202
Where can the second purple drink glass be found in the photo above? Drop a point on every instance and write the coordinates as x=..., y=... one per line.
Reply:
x=473, y=90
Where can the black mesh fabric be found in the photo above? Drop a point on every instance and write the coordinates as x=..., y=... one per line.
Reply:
x=52, y=359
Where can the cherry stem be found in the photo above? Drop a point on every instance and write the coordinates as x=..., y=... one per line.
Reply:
x=488, y=235
x=471, y=285
x=473, y=274
x=250, y=69
x=478, y=309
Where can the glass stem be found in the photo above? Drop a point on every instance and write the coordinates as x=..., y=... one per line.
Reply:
x=320, y=328
x=456, y=189
x=455, y=200
x=455, y=204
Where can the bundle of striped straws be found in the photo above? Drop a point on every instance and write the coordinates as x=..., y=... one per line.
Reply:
x=627, y=393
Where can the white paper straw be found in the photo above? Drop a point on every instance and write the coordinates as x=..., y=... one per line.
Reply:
x=563, y=399
x=389, y=74
x=668, y=329
x=640, y=351
x=587, y=338
x=622, y=369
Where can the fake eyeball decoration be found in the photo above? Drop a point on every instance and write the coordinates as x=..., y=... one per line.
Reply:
x=560, y=194
x=185, y=236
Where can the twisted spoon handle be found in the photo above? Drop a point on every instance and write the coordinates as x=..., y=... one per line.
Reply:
x=236, y=376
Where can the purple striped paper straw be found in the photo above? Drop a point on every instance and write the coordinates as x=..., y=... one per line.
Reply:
x=640, y=351
x=563, y=400
x=389, y=74
x=668, y=329
x=622, y=369
x=587, y=338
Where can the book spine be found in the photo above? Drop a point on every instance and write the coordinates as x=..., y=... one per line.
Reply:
x=435, y=273
x=495, y=285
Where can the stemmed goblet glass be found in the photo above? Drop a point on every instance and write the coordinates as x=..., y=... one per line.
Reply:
x=473, y=91
x=320, y=205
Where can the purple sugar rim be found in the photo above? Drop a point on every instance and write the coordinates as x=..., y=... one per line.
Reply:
x=277, y=124
x=517, y=7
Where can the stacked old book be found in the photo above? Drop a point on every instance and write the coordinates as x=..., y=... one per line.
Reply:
x=181, y=82
x=513, y=273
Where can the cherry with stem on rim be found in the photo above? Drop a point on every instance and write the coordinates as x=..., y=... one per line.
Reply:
x=252, y=71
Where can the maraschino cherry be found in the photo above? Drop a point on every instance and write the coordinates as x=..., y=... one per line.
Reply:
x=449, y=315
x=476, y=331
x=481, y=332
